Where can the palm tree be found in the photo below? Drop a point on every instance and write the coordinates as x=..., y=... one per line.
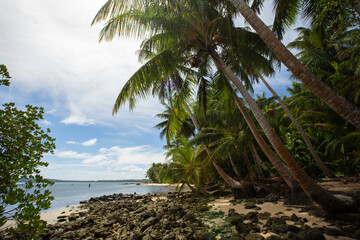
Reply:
x=186, y=166
x=196, y=33
x=318, y=194
x=339, y=104
x=170, y=117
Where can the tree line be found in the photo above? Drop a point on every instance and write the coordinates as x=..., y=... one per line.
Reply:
x=202, y=66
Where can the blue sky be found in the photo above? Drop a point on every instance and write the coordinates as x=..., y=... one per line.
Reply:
x=56, y=61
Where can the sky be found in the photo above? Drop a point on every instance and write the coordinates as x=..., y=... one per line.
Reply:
x=56, y=61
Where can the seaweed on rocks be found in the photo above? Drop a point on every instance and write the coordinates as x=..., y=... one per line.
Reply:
x=131, y=216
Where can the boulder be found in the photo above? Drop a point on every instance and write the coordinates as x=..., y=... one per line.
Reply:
x=254, y=236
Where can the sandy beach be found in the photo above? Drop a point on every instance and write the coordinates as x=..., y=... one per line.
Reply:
x=276, y=209
x=189, y=216
x=53, y=216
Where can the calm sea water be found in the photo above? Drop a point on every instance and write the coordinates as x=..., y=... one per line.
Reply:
x=71, y=193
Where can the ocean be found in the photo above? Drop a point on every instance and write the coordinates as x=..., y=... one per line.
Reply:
x=71, y=193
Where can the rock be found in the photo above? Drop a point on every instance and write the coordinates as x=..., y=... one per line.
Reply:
x=250, y=205
x=73, y=217
x=299, y=222
x=246, y=228
x=279, y=228
x=294, y=218
x=251, y=216
x=254, y=236
x=83, y=202
x=314, y=234
x=236, y=219
x=277, y=225
x=138, y=197
x=148, y=222
x=290, y=236
x=264, y=215
x=273, y=237
x=293, y=228
x=232, y=212
x=274, y=221
x=169, y=236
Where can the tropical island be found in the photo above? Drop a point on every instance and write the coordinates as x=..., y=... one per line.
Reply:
x=253, y=167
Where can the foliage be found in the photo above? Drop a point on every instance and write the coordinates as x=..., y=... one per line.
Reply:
x=4, y=75
x=179, y=35
x=22, y=145
x=153, y=173
x=186, y=165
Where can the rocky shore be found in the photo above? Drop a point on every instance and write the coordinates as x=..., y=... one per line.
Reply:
x=187, y=216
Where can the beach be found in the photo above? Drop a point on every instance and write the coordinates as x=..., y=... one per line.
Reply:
x=188, y=216
x=185, y=215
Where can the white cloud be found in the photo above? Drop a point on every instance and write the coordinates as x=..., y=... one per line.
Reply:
x=87, y=143
x=117, y=156
x=52, y=50
x=108, y=163
x=78, y=120
x=71, y=155
x=78, y=172
x=46, y=122
x=132, y=168
x=90, y=142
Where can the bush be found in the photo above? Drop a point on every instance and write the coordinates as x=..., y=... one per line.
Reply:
x=22, y=145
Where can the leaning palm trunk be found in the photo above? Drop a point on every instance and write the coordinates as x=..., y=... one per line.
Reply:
x=328, y=173
x=277, y=163
x=191, y=187
x=339, y=104
x=297, y=194
x=318, y=194
x=236, y=171
x=248, y=165
x=258, y=160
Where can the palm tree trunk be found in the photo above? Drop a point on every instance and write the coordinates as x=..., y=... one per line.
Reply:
x=277, y=163
x=328, y=173
x=318, y=194
x=297, y=195
x=258, y=160
x=236, y=171
x=191, y=187
x=248, y=165
x=340, y=105
x=229, y=180
x=258, y=169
